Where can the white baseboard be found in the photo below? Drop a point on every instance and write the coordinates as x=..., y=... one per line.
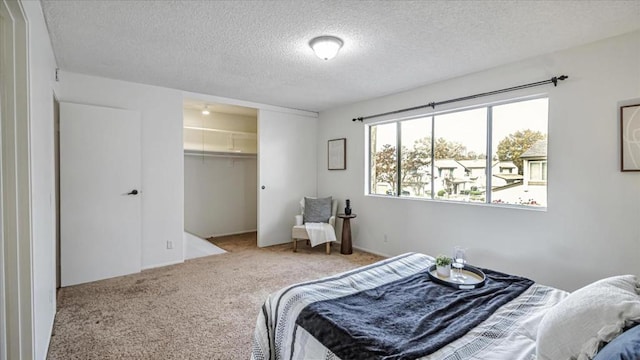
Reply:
x=163, y=264
x=372, y=252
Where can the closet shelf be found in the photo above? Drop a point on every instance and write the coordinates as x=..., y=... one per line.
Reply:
x=242, y=134
x=222, y=154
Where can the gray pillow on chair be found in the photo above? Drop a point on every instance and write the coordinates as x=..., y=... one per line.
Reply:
x=317, y=210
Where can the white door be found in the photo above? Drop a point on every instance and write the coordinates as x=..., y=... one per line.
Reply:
x=287, y=164
x=100, y=194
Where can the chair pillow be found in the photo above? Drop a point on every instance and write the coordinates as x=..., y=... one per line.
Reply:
x=317, y=210
x=577, y=326
x=624, y=347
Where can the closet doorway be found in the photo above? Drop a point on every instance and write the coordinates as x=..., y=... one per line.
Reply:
x=220, y=169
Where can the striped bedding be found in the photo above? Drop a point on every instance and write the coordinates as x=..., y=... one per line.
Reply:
x=509, y=333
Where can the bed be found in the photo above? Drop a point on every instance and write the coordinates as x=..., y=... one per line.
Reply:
x=392, y=310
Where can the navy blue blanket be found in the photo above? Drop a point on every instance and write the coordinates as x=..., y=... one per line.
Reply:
x=406, y=319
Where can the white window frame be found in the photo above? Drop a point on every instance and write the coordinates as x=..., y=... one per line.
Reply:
x=542, y=171
x=489, y=143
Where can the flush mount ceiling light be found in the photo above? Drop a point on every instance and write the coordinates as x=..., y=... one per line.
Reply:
x=205, y=111
x=326, y=47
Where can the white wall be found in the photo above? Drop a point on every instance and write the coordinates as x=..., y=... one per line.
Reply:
x=42, y=85
x=592, y=217
x=162, y=159
x=220, y=195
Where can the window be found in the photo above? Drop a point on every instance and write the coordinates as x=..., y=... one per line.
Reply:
x=460, y=159
x=538, y=171
x=384, y=159
x=415, y=165
x=490, y=154
x=519, y=133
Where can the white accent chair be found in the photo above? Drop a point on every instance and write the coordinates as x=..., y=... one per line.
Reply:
x=299, y=231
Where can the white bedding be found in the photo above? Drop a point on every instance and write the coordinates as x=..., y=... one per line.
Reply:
x=509, y=333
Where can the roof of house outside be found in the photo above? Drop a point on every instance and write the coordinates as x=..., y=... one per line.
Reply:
x=446, y=164
x=537, y=150
x=482, y=163
x=509, y=177
x=474, y=164
x=505, y=164
x=505, y=187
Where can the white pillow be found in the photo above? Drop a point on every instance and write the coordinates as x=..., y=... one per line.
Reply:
x=577, y=326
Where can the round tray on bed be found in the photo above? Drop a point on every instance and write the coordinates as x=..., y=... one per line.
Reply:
x=475, y=278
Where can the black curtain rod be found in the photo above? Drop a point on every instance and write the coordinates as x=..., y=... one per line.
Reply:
x=554, y=80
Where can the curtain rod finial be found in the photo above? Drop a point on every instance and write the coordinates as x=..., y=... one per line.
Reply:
x=357, y=119
x=555, y=79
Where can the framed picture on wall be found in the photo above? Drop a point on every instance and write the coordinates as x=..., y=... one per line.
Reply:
x=630, y=137
x=337, y=152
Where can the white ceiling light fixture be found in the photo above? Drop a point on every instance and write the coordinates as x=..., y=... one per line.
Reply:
x=206, y=110
x=326, y=47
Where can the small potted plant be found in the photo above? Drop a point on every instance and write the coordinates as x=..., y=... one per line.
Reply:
x=443, y=266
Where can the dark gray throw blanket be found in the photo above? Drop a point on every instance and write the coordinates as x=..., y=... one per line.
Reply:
x=406, y=319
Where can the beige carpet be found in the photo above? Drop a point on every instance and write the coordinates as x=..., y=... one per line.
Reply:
x=205, y=308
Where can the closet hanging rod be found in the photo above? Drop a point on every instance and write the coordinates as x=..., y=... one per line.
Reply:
x=220, y=154
x=554, y=80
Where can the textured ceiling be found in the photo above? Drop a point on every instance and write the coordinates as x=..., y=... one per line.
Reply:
x=258, y=50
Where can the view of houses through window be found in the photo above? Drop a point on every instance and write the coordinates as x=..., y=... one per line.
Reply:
x=491, y=154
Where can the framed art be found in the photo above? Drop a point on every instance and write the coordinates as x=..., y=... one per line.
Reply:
x=630, y=137
x=337, y=152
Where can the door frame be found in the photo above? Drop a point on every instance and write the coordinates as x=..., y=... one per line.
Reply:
x=16, y=297
x=56, y=180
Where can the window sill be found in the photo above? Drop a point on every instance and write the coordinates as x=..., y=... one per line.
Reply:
x=492, y=205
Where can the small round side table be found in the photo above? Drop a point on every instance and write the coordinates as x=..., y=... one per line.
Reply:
x=345, y=247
